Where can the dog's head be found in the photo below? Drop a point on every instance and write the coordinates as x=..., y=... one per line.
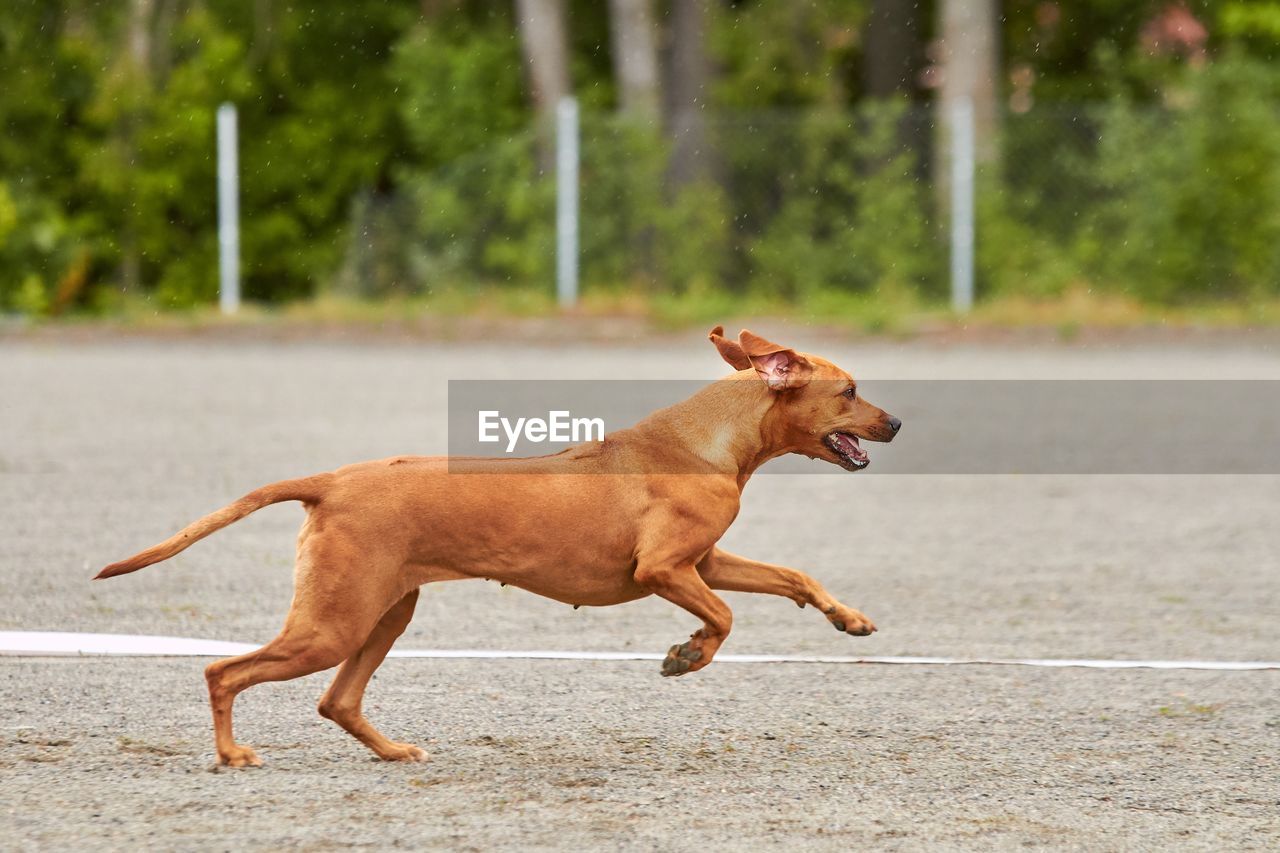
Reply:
x=817, y=410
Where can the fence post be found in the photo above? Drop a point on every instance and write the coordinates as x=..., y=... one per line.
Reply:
x=228, y=212
x=962, y=212
x=567, y=202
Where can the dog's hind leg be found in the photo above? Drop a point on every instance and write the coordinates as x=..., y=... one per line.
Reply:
x=722, y=570
x=342, y=702
x=292, y=654
x=331, y=616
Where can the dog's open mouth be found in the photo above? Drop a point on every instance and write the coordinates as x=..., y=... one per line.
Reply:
x=848, y=451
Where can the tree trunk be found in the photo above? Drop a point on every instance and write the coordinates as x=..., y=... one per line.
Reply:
x=138, y=57
x=688, y=81
x=545, y=44
x=430, y=9
x=264, y=31
x=635, y=57
x=892, y=47
x=162, y=48
x=140, y=32
x=969, y=62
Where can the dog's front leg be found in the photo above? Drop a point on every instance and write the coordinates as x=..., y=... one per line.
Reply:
x=722, y=570
x=681, y=584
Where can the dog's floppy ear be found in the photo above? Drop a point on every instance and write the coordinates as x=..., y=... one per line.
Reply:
x=730, y=351
x=780, y=367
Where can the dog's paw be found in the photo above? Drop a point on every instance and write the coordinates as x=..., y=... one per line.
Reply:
x=403, y=752
x=681, y=658
x=850, y=621
x=239, y=756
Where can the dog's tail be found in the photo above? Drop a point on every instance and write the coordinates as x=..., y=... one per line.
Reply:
x=306, y=489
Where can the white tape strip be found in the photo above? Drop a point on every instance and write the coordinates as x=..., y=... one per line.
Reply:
x=53, y=644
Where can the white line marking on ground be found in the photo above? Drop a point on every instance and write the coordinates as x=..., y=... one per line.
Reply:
x=59, y=644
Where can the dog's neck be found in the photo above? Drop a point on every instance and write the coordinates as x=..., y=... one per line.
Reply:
x=724, y=425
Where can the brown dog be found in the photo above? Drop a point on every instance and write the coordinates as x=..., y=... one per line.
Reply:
x=377, y=531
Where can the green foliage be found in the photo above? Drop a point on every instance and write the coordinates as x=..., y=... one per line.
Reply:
x=788, y=54
x=321, y=125
x=621, y=199
x=489, y=217
x=1165, y=202
x=1251, y=20
x=459, y=88
x=25, y=290
x=8, y=215
x=694, y=236
x=152, y=173
x=1013, y=256
x=37, y=247
x=845, y=210
x=478, y=208
x=854, y=216
x=1192, y=190
x=113, y=156
x=388, y=148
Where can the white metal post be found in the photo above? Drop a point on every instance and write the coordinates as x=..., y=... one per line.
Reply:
x=962, y=212
x=567, y=202
x=228, y=212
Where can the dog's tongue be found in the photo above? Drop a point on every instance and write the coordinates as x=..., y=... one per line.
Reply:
x=851, y=446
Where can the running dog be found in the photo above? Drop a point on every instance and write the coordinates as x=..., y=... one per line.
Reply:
x=606, y=522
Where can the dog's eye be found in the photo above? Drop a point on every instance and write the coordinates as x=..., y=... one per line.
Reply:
x=850, y=393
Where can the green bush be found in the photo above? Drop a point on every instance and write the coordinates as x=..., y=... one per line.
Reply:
x=488, y=218
x=480, y=208
x=1013, y=255
x=694, y=234
x=854, y=215
x=115, y=161
x=38, y=251
x=456, y=91
x=622, y=200
x=1192, y=206
x=845, y=208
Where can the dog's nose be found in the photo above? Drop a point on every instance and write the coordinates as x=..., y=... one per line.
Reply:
x=894, y=424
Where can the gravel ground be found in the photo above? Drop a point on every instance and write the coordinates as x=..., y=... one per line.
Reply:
x=106, y=448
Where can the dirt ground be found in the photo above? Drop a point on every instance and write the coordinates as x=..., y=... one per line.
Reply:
x=108, y=447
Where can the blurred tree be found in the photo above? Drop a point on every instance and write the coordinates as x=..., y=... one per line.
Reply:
x=785, y=55
x=545, y=44
x=688, y=89
x=131, y=77
x=459, y=88
x=49, y=56
x=1253, y=22
x=1190, y=207
x=319, y=121
x=891, y=55
x=352, y=113
x=634, y=43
